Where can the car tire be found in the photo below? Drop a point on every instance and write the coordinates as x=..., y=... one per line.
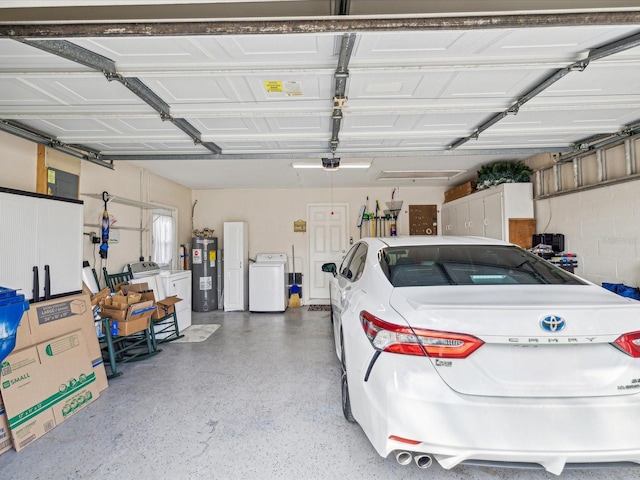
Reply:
x=346, y=400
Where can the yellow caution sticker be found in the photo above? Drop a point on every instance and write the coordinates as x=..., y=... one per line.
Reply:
x=273, y=86
x=51, y=176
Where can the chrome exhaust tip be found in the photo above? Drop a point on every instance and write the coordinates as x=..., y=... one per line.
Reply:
x=423, y=461
x=404, y=458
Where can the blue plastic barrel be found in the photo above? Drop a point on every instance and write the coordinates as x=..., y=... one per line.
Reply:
x=12, y=306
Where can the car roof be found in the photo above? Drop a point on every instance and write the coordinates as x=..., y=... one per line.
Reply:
x=413, y=240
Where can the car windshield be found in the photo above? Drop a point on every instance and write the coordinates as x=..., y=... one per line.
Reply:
x=425, y=265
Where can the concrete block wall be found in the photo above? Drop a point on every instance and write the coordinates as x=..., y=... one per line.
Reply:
x=601, y=226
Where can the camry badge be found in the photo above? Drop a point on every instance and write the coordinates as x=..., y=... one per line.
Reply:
x=552, y=323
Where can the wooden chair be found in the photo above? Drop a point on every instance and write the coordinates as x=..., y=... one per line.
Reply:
x=114, y=279
x=137, y=346
x=167, y=324
x=95, y=277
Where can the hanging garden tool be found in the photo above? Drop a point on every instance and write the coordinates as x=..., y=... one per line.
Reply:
x=104, y=246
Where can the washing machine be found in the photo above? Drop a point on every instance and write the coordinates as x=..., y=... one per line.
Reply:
x=268, y=283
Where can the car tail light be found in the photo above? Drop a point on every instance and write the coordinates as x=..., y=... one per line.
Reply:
x=404, y=440
x=629, y=343
x=388, y=337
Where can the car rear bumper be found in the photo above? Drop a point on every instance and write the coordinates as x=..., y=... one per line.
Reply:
x=402, y=398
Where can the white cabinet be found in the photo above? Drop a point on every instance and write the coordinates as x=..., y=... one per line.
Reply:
x=494, y=217
x=236, y=266
x=486, y=213
x=40, y=231
x=475, y=225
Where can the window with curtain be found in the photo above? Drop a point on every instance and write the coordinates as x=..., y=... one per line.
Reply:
x=163, y=237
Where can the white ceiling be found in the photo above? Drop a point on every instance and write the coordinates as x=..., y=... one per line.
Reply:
x=266, y=100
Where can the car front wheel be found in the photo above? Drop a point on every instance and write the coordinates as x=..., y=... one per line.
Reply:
x=346, y=401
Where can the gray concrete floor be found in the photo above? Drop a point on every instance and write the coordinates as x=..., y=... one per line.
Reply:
x=259, y=399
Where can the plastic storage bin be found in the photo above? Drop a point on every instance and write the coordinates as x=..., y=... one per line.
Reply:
x=12, y=306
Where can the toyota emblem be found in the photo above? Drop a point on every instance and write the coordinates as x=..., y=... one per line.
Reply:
x=552, y=323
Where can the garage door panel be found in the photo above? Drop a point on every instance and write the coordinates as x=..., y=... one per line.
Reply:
x=133, y=55
x=545, y=44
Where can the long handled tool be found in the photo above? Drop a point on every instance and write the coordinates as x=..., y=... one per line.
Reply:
x=294, y=290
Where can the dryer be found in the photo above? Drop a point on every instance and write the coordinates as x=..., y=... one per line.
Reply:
x=268, y=283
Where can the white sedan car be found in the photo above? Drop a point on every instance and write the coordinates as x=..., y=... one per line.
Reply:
x=475, y=351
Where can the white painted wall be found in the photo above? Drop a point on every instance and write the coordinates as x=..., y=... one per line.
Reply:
x=18, y=159
x=271, y=213
x=602, y=226
x=137, y=184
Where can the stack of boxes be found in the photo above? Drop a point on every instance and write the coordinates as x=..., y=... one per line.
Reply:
x=56, y=366
x=55, y=369
x=128, y=313
x=133, y=308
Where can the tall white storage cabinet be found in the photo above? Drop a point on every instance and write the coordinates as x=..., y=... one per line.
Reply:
x=486, y=213
x=236, y=266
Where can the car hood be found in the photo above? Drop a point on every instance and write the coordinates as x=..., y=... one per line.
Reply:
x=519, y=358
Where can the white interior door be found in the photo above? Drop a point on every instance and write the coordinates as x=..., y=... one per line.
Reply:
x=327, y=243
x=236, y=268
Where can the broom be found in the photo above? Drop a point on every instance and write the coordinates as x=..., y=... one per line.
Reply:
x=294, y=291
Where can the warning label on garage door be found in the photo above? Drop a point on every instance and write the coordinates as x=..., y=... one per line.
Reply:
x=273, y=86
x=290, y=88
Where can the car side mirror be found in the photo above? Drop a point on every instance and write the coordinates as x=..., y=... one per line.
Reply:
x=329, y=267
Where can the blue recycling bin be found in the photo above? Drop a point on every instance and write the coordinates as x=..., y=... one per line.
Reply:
x=12, y=306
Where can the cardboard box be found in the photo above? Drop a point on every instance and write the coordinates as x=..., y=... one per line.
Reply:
x=99, y=297
x=52, y=318
x=5, y=434
x=460, y=191
x=132, y=320
x=112, y=312
x=45, y=384
x=122, y=301
x=132, y=326
x=166, y=306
